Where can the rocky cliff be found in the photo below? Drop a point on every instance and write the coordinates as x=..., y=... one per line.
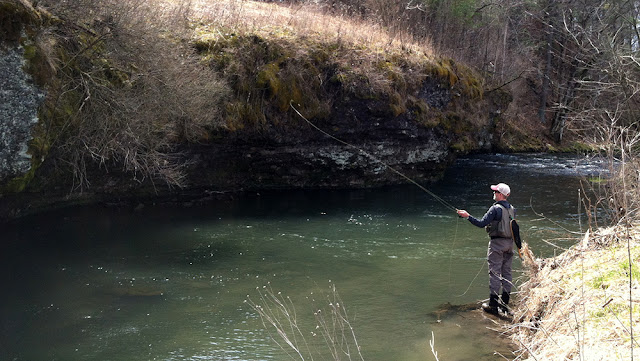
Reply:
x=20, y=100
x=249, y=110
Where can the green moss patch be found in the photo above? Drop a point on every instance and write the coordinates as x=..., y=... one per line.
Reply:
x=269, y=70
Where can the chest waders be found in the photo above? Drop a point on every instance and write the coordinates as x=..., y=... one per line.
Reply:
x=499, y=257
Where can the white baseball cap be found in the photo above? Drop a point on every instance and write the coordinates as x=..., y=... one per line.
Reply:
x=502, y=188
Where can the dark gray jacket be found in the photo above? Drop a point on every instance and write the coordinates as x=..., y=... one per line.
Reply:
x=493, y=214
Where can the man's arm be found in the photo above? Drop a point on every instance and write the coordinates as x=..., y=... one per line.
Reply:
x=491, y=214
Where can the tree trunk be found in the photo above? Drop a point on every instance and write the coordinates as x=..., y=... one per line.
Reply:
x=560, y=119
x=546, y=75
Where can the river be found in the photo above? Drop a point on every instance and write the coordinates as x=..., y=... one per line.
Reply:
x=171, y=283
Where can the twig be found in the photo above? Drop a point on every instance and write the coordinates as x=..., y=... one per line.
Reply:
x=432, y=344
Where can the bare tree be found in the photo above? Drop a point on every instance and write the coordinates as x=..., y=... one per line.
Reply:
x=588, y=56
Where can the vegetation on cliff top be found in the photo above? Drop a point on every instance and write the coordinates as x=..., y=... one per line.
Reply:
x=129, y=83
x=120, y=93
x=315, y=60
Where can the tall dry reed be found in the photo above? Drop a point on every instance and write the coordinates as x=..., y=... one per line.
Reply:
x=290, y=331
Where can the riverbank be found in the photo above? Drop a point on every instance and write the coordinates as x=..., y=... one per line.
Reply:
x=575, y=306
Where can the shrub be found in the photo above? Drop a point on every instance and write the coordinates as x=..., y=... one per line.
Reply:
x=127, y=90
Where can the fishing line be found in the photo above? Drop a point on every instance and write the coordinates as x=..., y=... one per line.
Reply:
x=455, y=237
x=435, y=196
x=472, y=281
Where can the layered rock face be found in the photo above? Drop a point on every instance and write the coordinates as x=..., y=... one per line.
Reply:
x=370, y=154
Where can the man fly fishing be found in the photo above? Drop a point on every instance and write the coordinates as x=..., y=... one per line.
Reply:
x=499, y=225
x=497, y=221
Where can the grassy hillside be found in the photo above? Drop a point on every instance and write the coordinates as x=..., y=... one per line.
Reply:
x=306, y=57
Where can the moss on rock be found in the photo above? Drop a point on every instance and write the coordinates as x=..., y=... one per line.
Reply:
x=274, y=69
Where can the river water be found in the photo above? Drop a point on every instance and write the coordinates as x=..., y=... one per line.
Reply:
x=170, y=283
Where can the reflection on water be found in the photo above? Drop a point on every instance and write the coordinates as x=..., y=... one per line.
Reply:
x=168, y=283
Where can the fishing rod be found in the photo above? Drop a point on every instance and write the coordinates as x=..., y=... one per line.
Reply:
x=435, y=196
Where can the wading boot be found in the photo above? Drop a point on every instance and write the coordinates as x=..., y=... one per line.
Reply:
x=492, y=306
x=505, y=302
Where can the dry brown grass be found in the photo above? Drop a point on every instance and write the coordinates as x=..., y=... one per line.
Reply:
x=273, y=54
x=304, y=21
x=576, y=306
x=128, y=89
x=333, y=336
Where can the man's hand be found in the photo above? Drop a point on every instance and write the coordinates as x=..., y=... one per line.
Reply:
x=462, y=213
